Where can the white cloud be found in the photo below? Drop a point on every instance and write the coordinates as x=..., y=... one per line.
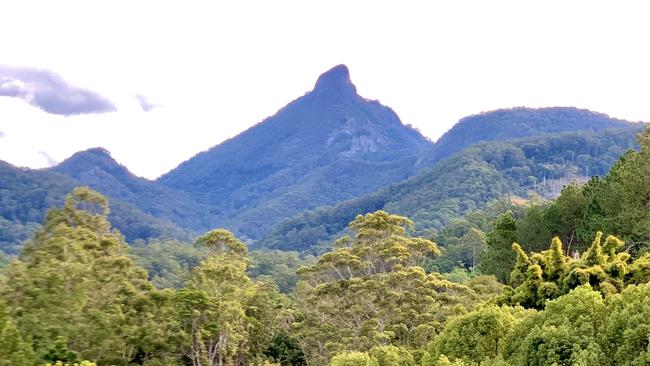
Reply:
x=46, y=90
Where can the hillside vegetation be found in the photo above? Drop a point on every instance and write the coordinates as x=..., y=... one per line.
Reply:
x=465, y=182
x=516, y=123
x=26, y=195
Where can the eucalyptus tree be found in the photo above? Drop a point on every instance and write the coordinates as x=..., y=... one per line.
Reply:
x=77, y=295
x=372, y=290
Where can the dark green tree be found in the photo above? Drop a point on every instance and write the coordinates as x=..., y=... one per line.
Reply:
x=498, y=258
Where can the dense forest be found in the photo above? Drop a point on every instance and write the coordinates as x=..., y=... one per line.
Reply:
x=502, y=281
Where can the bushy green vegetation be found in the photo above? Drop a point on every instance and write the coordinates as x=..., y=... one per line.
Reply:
x=579, y=328
x=169, y=263
x=373, y=290
x=74, y=294
x=616, y=204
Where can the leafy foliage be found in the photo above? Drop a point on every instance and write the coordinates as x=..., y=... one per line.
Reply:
x=279, y=266
x=52, y=288
x=73, y=294
x=616, y=204
x=474, y=337
x=168, y=262
x=372, y=290
x=547, y=275
x=578, y=328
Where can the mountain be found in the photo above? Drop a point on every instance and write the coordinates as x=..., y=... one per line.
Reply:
x=329, y=145
x=508, y=124
x=27, y=194
x=466, y=181
x=97, y=169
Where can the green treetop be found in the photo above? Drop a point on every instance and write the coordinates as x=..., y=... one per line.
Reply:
x=372, y=290
x=543, y=276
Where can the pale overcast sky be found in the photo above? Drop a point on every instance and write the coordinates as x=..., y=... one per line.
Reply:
x=155, y=82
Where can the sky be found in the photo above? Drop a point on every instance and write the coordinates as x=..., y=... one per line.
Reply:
x=156, y=82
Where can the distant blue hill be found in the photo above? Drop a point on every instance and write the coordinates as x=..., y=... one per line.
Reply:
x=513, y=123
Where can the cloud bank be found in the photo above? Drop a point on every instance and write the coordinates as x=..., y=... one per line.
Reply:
x=48, y=91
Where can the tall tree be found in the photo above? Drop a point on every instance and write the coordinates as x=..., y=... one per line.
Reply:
x=227, y=318
x=372, y=290
x=498, y=259
x=73, y=288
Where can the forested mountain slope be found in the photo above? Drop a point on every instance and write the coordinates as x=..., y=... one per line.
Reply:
x=98, y=170
x=329, y=145
x=466, y=181
x=521, y=122
x=26, y=195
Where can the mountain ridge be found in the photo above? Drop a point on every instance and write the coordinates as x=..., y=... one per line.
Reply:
x=518, y=122
x=96, y=168
x=27, y=194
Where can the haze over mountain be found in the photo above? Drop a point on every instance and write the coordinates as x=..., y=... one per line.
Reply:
x=328, y=145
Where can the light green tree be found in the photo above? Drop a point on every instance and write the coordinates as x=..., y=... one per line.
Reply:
x=372, y=290
x=391, y=356
x=353, y=359
x=227, y=318
x=474, y=337
x=625, y=334
x=74, y=291
x=560, y=333
x=539, y=277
